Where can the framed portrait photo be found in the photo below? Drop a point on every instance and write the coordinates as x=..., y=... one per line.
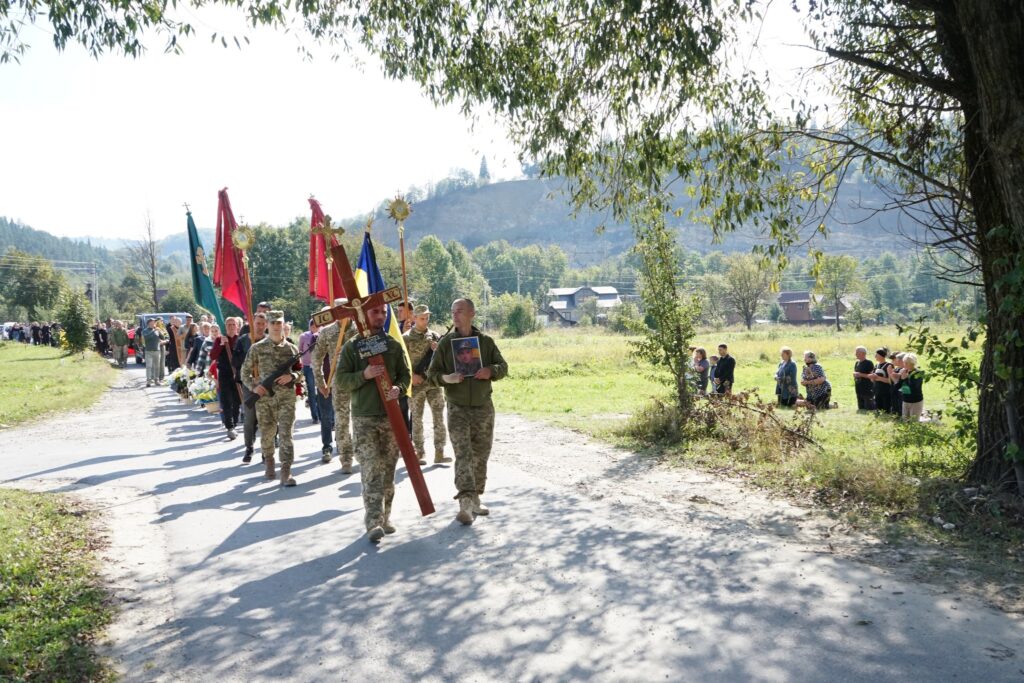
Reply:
x=466, y=351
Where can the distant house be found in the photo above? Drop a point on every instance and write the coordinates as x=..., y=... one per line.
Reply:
x=796, y=306
x=845, y=304
x=564, y=303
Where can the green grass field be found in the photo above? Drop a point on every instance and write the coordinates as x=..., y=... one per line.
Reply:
x=38, y=380
x=585, y=379
x=51, y=606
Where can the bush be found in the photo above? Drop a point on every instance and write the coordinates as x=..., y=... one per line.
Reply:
x=656, y=424
x=521, y=318
x=73, y=313
x=625, y=319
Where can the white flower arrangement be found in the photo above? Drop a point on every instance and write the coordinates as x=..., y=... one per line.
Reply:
x=202, y=390
x=179, y=379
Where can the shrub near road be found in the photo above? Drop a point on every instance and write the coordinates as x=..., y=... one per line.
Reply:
x=37, y=380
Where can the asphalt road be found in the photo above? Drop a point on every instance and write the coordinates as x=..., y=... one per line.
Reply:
x=224, y=577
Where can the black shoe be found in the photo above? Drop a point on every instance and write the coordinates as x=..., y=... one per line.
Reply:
x=247, y=458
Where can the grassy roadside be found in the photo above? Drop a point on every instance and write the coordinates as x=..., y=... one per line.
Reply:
x=38, y=380
x=874, y=472
x=51, y=604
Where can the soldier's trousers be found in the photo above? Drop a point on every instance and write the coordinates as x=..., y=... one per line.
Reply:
x=420, y=398
x=342, y=431
x=276, y=415
x=378, y=456
x=120, y=355
x=471, y=430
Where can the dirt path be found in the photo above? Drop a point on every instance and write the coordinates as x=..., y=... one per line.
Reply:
x=594, y=565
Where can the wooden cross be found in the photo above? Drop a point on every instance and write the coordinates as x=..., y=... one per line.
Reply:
x=355, y=310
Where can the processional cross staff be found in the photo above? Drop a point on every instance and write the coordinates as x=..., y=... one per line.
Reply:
x=355, y=311
x=399, y=210
x=329, y=233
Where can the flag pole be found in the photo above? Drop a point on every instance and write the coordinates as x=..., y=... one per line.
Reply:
x=243, y=238
x=399, y=210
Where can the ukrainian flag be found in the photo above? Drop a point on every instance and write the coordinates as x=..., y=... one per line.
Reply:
x=370, y=281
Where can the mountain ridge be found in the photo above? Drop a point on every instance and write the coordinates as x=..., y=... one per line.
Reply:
x=521, y=212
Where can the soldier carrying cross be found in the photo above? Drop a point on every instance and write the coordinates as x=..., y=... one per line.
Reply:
x=372, y=367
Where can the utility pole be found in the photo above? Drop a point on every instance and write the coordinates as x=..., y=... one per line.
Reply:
x=517, y=282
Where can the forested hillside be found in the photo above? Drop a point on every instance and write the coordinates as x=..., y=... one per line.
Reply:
x=40, y=243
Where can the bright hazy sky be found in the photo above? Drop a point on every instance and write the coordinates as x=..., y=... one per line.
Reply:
x=91, y=146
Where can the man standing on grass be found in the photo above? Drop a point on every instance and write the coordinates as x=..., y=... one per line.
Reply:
x=863, y=371
x=724, y=378
x=470, y=410
x=119, y=342
x=374, y=440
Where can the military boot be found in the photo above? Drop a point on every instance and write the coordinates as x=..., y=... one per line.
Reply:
x=479, y=508
x=375, y=534
x=439, y=457
x=286, y=474
x=269, y=473
x=346, y=465
x=388, y=527
x=465, y=515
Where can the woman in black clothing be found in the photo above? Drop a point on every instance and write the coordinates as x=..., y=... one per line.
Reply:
x=880, y=381
x=895, y=374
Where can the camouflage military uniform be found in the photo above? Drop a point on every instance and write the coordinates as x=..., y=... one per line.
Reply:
x=326, y=342
x=276, y=413
x=419, y=345
x=470, y=412
x=374, y=441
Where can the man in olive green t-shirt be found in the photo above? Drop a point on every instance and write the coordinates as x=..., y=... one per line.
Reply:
x=119, y=344
x=470, y=411
x=375, y=444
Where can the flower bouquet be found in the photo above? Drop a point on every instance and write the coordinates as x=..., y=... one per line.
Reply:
x=203, y=391
x=179, y=380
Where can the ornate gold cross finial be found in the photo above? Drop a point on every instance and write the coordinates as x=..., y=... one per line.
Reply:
x=327, y=230
x=369, y=224
x=243, y=237
x=399, y=210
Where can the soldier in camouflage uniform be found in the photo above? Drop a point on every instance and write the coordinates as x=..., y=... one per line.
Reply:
x=326, y=343
x=374, y=441
x=276, y=412
x=420, y=341
x=470, y=411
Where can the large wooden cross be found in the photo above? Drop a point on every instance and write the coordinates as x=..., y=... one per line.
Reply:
x=355, y=310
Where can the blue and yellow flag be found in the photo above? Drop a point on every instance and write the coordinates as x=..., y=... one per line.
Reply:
x=370, y=281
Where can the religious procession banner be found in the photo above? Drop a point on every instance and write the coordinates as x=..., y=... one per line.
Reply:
x=370, y=281
x=202, y=285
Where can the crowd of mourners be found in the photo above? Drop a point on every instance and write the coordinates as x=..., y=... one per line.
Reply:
x=36, y=333
x=892, y=383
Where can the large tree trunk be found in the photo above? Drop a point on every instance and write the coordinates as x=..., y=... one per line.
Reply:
x=982, y=42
